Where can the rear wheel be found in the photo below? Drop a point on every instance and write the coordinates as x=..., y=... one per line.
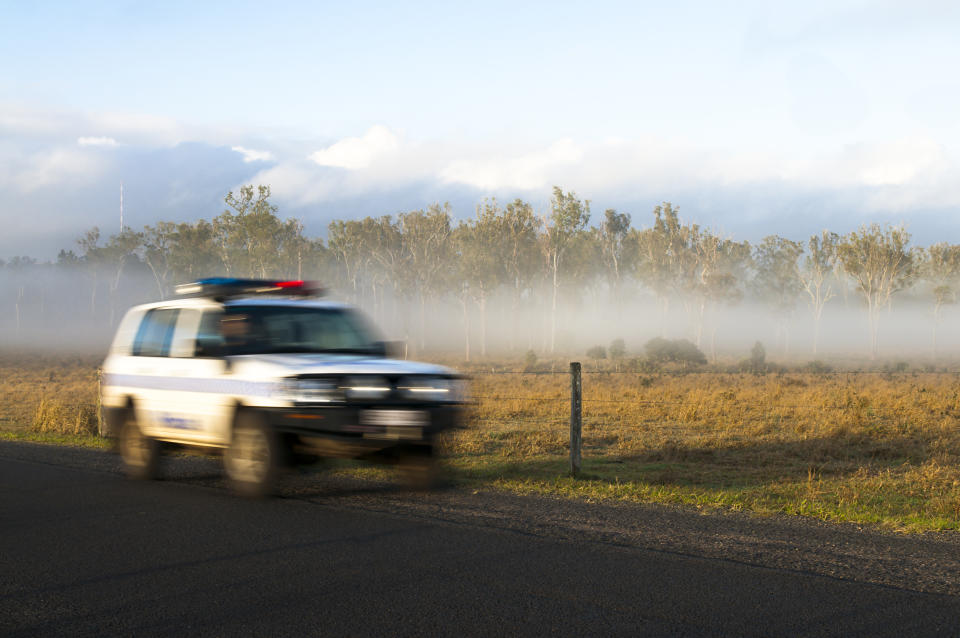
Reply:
x=140, y=453
x=252, y=460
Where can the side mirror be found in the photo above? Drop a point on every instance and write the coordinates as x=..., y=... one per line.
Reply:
x=209, y=349
x=391, y=349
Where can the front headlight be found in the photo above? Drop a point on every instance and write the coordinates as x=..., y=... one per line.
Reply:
x=436, y=389
x=312, y=390
x=366, y=388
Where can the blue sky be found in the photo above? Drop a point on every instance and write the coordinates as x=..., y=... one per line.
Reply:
x=755, y=118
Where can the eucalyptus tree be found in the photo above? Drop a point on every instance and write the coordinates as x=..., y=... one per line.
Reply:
x=90, y=255
x=483, y=256
x=348, y=243
x=520, y=229
x=816, y=272
x=618, y=249
x=462, y=241
x=568, y=217
x=157, y=243
x=249, y=234
x=109, y=259
x=776, y=281
x=193, y=252
x=667, y=257
x=390, y=261
x=879, y=261
x=426, y=238
x=939, y=266
x=717, y=278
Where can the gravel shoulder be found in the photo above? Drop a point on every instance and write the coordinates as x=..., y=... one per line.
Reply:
x=928, y=562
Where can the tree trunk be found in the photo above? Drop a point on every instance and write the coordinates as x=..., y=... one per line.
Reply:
x=664, y=308
x=553, y=309
x=423, y=322
x=700, y=311
x=873, y=319
x=466, y=328
x=483, y=325
x=816, y=332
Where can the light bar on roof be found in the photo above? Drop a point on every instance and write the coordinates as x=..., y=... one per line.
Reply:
x=234, y=287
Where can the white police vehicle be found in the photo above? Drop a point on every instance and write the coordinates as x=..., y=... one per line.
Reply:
x=270, y=375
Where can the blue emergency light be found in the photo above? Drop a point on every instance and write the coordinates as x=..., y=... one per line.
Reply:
x=222, y=287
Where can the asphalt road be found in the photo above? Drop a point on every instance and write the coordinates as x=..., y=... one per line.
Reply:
x=87, y=552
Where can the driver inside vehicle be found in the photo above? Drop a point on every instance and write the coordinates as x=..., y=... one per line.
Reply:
x=235, y=330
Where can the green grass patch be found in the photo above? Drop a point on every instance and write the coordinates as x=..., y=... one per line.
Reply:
x=53, y=438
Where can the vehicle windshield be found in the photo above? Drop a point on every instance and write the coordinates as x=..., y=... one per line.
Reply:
x=257, y=329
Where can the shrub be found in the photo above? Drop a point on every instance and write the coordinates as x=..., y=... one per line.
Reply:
x=529, y=360
x=597, y=352
x=617, y=349
x=758, y=356
x=900, y=366
x=818, y=367
x=660, y=350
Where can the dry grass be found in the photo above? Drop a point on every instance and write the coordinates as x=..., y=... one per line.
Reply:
x=859, y=447
x=865, y=447
x=48, y=394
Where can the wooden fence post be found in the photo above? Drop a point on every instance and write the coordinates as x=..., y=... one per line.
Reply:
x=576, y=417
x=99, y=403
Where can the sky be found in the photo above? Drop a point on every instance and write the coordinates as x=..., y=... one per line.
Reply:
x=755, y=118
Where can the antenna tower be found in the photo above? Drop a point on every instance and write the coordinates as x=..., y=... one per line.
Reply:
x=121, y=207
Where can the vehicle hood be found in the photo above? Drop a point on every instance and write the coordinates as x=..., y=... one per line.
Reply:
x=286, y=365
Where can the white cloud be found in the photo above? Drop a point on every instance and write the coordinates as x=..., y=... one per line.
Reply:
x=358, y=152
x=526, y=172
x=96, y=141
x=49, y=168
x=250, y=155
x=144, y=127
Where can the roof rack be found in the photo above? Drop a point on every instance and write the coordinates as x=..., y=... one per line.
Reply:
x=224, y=287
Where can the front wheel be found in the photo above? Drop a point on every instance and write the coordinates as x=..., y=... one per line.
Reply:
x=252, y=460
x=140, y=453
x=419, y=469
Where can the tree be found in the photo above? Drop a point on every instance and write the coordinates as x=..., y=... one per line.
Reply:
x=880, y=263
x=667, y=256
x=252, y=240
x=90, y=254
x=157, y=242
x=519, y=252
x=348, y=243
x=193, y=252
x=717, y=277
x=115, y=255
x=389, y=255
x=568, y=216
x=480, y=251
x=939, y=266
x=426, y=236
x=777, y=282
x=815, y=274
x=617, y=249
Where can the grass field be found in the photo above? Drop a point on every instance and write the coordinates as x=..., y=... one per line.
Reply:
x=867, y=447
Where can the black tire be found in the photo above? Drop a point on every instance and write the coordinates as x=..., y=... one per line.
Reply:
x=254, y=457
x=140, y=453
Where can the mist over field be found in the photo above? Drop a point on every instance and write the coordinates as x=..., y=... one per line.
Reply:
x=509, y=282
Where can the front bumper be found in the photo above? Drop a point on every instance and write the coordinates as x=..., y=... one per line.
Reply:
x=368, y=421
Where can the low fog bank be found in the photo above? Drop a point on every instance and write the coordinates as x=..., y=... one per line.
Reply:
x=70, y=312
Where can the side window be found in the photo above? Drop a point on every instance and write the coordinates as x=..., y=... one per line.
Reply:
x=155, y=333
x=209, y=336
